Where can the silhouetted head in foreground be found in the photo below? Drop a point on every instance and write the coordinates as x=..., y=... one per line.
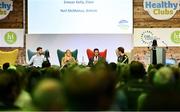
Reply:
x=48, y=96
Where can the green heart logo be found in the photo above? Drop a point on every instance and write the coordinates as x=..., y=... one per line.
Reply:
x=10, y=37
x=175, y=37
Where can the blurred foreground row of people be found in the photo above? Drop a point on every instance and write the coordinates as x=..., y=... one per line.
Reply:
x=104, y=86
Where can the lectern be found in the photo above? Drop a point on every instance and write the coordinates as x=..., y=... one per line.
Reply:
x=157, y=55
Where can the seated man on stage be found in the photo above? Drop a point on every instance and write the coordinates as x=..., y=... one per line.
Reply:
x=96, y=58
x=122, y=58
x=38, y=58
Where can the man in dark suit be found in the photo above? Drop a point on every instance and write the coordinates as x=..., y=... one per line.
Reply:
x=122, y=57
x=96, y=58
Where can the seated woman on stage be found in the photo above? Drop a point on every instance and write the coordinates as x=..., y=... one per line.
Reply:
x=67, y=59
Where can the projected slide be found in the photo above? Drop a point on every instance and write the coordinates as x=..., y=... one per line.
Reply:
x=80, y=16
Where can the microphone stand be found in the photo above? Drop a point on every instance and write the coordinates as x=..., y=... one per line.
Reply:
x=149, y=44
x=154, y=57
x=165, y=44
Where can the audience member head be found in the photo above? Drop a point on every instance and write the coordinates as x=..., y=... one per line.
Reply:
x=6, y=66
x=151, y=74
x=39, y=50
x=120, y=50
x=159, y=65
x=34, y=75
x=123, y=72
x=48, y=96
x=23, y=75
x=51, y=73
x=96, y=52
x=164, y=78
x=176, y=73
x=78, y=88
x=9, y=87
x=89, y=89
x=151, y=66
x=137, y=69
x=113, y=66
x=106, y=79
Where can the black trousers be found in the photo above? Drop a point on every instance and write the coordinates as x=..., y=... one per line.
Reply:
x=154, y=57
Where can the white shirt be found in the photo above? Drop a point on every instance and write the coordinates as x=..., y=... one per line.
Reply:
x=95, y=58
x=37, y=60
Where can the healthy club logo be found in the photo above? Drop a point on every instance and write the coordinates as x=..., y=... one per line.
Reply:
x=10, y=37
x=175, y=37
x=162, y=9
x=147, y=37
x=5, y=7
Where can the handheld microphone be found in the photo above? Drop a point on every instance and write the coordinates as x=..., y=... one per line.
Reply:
x=165, y=44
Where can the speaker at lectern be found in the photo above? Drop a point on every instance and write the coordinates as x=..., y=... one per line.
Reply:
x=157, y=54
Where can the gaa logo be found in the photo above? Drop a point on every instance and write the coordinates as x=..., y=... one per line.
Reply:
x=10, y=37
x=147, y=37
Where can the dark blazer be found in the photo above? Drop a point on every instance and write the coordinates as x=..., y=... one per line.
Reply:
x=91, y=60
x=123, y=59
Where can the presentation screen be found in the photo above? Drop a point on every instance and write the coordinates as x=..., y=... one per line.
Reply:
x=80, y=16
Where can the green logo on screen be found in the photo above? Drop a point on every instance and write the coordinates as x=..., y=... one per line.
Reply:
x=175, y=37
x=10, y=37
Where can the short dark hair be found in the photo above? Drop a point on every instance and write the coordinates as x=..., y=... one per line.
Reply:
x=96, y=49
x=38, y=48
x=137, y=69
x=9, y=87
x=6, y=66
x=121, y=49
x=154, y=43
